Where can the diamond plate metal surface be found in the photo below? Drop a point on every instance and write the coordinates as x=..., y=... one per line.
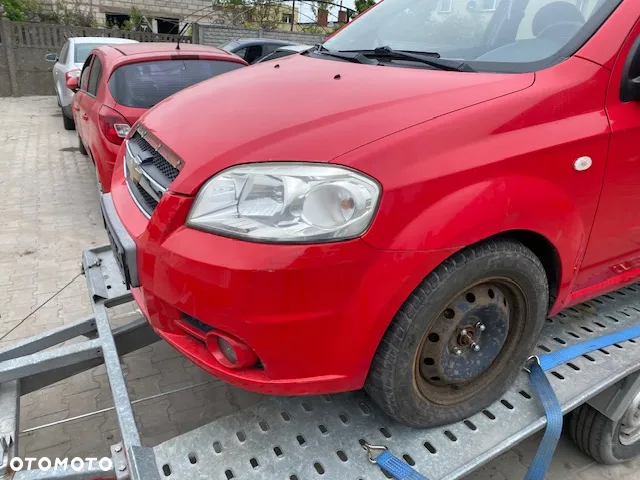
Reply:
x=319, y=437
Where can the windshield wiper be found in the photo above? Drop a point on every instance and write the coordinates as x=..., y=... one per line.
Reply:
x=428, y=58
x=355, y=57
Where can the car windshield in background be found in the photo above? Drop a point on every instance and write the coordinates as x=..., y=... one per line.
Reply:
x=501, y=35
x=230, y=46
x=82, y=50
x=144, y=84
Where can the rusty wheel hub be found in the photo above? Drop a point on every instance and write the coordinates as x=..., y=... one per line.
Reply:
x=467, y=337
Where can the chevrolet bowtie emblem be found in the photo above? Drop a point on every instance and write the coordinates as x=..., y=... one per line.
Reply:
x=133, y=165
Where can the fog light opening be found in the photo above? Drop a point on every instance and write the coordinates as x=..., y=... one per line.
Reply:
x=227, y=350
x=230, y=351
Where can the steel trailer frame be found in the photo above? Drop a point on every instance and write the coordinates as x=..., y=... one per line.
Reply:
x=308, y=437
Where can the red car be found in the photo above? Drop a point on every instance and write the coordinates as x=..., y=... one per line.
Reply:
x=120, y=82
x=400, y=208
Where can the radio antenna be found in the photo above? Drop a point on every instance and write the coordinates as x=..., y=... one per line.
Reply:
x=192, y=22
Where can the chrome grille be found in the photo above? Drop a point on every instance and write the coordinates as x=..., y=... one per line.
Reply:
x=167, y=172
x=148, y=173
x=143, y=199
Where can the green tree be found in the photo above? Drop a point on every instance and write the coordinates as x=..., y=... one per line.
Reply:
x=72, y=14
x=362, y=5
x=13, y=9
x=137, y=21
x=24, y=10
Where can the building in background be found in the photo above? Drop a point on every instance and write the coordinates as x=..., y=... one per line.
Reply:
x=169, y=16
x=159, y=16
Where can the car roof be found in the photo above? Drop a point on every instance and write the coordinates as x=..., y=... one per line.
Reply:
x=116, y=55
x=101, y=40
x=166, y=47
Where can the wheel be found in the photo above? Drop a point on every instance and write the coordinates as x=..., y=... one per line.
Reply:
x=83, y=150
x=461, y=338
x=68, y=123
x=603, y=439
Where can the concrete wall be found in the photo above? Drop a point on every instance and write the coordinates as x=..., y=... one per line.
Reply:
x=5, y=79
x=218, y=35
x=23, y=46
x=33, y=73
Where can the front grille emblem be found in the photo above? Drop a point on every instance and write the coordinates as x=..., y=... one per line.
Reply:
x=133, y=167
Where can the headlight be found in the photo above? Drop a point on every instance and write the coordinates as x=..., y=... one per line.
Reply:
x=286, y=202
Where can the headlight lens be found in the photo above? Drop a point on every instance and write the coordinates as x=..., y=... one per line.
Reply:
x=286, y=202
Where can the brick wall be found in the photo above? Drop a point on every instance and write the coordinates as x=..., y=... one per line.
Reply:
x=218, y=35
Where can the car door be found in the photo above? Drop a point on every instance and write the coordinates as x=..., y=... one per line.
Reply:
x=79, y=104
x=91, y=106
x=613, y=254
x=59, y=69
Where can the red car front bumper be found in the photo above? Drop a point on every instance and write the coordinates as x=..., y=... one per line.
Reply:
x=313, y=314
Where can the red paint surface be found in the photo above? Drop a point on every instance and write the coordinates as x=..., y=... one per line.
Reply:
x=86, y=107
x=461, y=157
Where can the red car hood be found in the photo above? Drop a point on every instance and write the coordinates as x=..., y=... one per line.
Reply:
x=302, y=108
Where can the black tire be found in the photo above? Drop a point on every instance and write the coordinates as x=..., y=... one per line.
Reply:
x=81, y=148
x=68, y=123
x=395, y=380
x=599, y=437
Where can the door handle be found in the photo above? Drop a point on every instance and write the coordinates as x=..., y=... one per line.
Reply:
x=85, y=116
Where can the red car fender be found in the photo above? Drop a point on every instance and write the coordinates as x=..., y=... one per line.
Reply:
x=482, y=210
x=473, y=214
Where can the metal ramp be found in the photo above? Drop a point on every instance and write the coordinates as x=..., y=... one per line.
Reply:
x=305, y=437
x=320, y=437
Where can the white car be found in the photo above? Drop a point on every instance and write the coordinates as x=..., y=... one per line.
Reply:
x=68, y=63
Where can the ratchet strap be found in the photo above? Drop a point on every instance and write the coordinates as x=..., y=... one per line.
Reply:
x=536, y=367
x=393, y=465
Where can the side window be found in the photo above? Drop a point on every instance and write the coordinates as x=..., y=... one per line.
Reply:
x=630, y=88
x=94, y=76
x=84, y=76
x=241, y=53
x=253, y=53
x=62, y=58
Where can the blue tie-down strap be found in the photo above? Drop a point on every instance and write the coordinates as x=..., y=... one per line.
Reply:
x=553, y=359
x=391, y=464
x=553, y=412
x=548, y=398
x=540, y=464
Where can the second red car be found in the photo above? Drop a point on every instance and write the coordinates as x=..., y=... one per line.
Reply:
x=120, y=82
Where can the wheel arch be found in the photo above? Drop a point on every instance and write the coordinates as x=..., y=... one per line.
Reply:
x=546, y=252
x=541, y=246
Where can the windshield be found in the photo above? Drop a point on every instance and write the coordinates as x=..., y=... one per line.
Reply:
x=510, y=32
x=229, y=47
x=82, y=50
x=144, y=84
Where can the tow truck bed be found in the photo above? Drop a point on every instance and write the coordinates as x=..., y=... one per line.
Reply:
x=313, y=437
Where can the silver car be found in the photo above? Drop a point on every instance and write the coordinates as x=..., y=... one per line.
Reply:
x=69, y=62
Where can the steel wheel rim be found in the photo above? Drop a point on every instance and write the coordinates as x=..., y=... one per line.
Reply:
x=470, y=341
x=630, y=423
